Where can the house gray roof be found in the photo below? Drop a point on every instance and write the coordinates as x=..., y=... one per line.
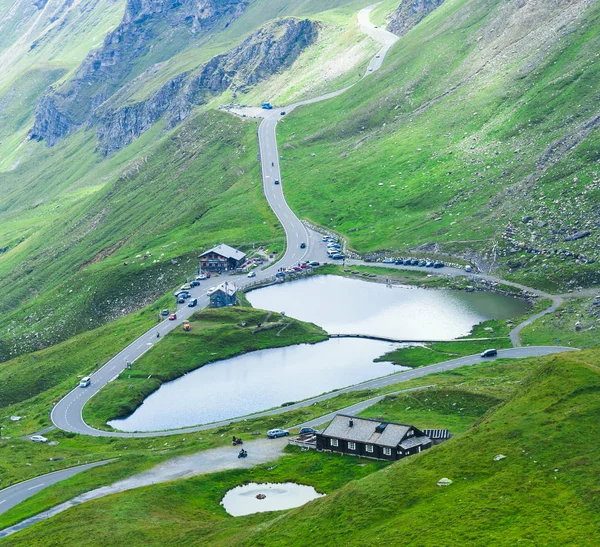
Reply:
x=414, y=441
x=226, y=251
x=365, y=431
x=228, y=288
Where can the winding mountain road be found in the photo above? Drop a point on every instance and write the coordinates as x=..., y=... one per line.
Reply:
x=67, y=414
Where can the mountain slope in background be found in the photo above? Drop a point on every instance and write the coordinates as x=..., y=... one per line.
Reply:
x=479, y=137
x=139, y=163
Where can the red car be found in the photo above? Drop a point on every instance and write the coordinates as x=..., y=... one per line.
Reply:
x=172, y=317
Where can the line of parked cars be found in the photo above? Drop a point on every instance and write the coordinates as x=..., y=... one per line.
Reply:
x=334, y=249
x=414, y=262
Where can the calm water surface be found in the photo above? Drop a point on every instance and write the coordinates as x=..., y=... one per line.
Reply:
x=242, y=500
x=351, y=306
x=257, y=381
x=269, y=378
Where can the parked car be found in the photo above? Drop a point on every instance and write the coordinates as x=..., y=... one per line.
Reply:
x=172, y=317
x=193, y=303
x=180, y=299
x=303, y=245
x=308, y=431
x=399, y=262
x=195, y=283
x=211, y=290
x=164, y=312
x=429, y=264
x=388, y=261
x=490, y=353
x=38, y=439
x=282, y=112
x=468, y=269
x=338, y=256
x=202, y=277
x=274, y=433
x=252, y=274
x=186, y=287
x=305, y=266
x=280, y=274
x=421, y=263
x=414, y=262
x=315, y=263
x=438, y=264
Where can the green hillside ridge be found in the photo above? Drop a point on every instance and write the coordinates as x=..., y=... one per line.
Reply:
x=482, y=134
x=540, y=493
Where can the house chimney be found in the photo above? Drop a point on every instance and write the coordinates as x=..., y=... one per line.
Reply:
x=351, y=423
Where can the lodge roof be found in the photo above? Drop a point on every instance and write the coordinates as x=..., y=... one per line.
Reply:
x=226, y=251
x=366, y=431
x=228, y=288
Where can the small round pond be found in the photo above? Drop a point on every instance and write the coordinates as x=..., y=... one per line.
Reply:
x=259, y=498
x=345, y=305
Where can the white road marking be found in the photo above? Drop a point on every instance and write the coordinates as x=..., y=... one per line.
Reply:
x=36, y=486
x=1, y=502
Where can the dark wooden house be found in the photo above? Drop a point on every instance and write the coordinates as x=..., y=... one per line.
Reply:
x=223, y=295
x=221, y=258
x=372, y=438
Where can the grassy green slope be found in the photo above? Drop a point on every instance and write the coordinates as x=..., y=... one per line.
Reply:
x=69, y=218
x=463, y=129
x=187, y=191
x=542, y=493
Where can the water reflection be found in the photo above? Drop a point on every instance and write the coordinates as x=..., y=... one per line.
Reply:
x=346, y=305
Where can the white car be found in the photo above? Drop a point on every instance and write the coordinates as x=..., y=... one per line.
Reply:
x=38, y=439
x=252, y=274
x=211, y=290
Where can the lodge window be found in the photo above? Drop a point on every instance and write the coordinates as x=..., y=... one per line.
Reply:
x=369, y=448
x=334, y=442
x=387, y=451
x=351, y=446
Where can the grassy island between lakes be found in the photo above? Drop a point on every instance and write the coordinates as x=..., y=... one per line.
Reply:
x=215, y=334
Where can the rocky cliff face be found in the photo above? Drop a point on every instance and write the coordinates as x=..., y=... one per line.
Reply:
x=147, y=26
x=272, y=48
x=409, y=13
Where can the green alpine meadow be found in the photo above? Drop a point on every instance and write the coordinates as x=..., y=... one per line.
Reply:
x=299, y=272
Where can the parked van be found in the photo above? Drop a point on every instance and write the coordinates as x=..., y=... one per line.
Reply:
x=85, y=382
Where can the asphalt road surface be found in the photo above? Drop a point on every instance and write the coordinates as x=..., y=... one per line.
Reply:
x=67, y=414
x=15, y=494
x=209, y=461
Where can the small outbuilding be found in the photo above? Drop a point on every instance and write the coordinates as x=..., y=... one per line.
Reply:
x=224, y=295
x=372, y=438
x=221, y=258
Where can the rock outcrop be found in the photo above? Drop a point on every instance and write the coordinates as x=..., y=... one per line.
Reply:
x=148, y=26
x=409, y=13
x=264, y=53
